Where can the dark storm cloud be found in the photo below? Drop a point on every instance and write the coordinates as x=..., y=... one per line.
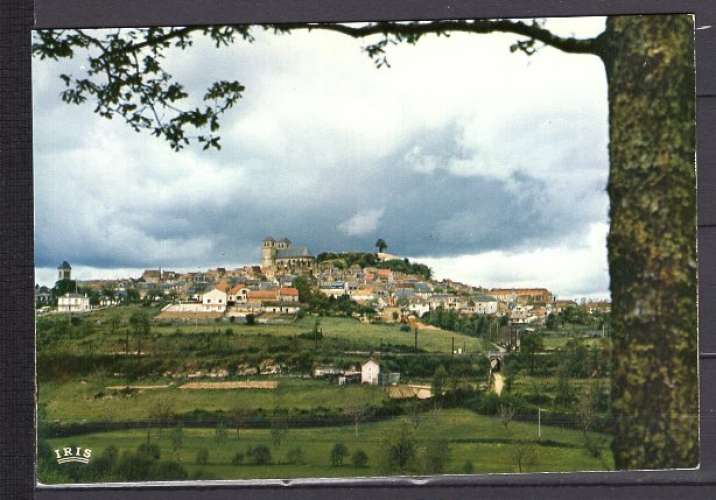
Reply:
x=333, y=170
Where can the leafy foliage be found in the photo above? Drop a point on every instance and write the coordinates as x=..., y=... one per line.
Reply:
x=338, y=453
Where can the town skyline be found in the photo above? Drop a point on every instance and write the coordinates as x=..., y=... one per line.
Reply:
x=86, y=275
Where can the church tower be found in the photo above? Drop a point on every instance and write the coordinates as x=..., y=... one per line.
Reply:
x=268, y=256
x=64, y=271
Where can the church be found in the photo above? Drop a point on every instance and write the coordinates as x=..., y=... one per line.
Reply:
x=282, y=257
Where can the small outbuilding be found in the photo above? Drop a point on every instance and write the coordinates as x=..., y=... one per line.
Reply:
x=370, y=372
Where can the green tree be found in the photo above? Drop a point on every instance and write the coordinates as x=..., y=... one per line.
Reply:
x=399, y=451
x=260, y=455
x=381, y=245
x=220, y=432
x=114, y=323
x=338, y=453
x=161, y=412
x=564, y=389
x=552, y=323
x=238, y=458
x=141, y=328
x=530, y=345
x=438, y=384
x=524, y=454
x=177, y=438
x=436, y=456
x=132, y=296
x=652, y=143
x=62, y=287
x=279, y=430
x=359, y=458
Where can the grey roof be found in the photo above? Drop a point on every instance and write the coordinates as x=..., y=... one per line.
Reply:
x=293, y=252
x=484, y=298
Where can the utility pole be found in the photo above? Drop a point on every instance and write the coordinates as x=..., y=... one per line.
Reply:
x=539, y=423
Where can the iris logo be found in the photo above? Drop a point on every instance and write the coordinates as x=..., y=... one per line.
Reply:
x=73, y=454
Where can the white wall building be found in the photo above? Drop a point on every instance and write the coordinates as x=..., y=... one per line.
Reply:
x=369, y=372
x=214, y=300
x=485, y=305
x=73, y=302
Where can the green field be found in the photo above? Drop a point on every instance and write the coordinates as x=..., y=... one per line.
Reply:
x=479, y=439
x=80, y=357
x=75, y=401
x=338, y=334
x=357, y=335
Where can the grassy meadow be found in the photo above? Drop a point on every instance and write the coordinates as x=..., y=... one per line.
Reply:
x=82, y=360
x=481, y=440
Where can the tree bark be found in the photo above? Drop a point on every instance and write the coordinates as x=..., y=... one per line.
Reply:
x=652, y=240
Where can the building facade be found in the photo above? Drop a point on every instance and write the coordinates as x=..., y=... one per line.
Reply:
x=282, y=257
x=73, y=302
x=64, y=271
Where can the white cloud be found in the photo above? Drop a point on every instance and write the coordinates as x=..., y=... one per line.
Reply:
x=362, y=223
x=325, y=148
x=572, y=269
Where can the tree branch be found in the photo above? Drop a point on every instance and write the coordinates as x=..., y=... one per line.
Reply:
x=410, y=32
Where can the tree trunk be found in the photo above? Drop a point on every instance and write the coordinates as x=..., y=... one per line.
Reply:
x=652, y=240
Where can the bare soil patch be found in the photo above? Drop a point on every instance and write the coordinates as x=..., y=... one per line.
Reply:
x=243, y=384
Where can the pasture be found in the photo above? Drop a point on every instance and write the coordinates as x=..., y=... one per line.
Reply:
x=482, y=440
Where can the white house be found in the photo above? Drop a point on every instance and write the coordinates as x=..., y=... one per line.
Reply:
x=484, y=305
x=214, y=300
x=73, y=302
x=419, y=308
x=369, y=372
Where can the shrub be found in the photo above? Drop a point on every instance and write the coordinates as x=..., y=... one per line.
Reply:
x=468, y=468
x=134, y=467
x=399, y=451
x=359, y=458
x=437, y=456
x=238, y=458
x=168, y=471
x=202, y=456
x=260, y=455
x=338, y=453
x=220, y=432
x=404, y=328
x=151, y=450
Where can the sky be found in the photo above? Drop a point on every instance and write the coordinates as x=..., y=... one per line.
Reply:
x=487, y=165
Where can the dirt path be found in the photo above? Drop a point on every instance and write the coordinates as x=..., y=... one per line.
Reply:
x=138, y=387
x=423, y=326
x=248, y=384
x=499, y=382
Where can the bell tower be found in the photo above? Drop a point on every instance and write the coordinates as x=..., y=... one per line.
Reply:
x=268, y=255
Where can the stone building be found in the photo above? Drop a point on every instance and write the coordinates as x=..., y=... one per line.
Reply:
x=282, y=257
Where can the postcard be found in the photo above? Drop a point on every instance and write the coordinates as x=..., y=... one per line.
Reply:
x=365, y=250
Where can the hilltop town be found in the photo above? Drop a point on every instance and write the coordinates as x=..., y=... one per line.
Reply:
x=331, y=350
x=290, y=280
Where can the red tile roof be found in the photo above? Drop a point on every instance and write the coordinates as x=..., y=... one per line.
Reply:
x=262, y=294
